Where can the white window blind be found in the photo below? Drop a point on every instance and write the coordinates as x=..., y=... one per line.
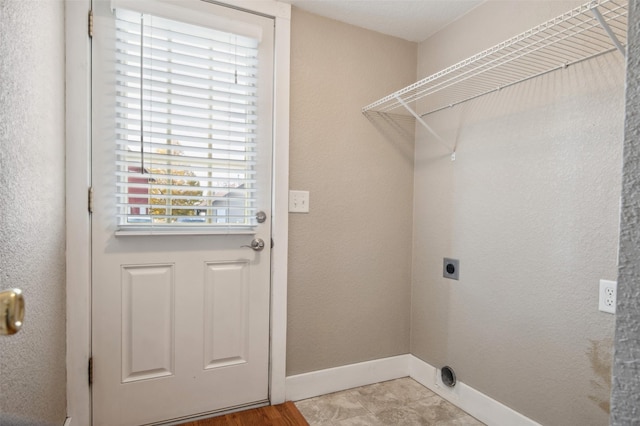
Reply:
x=186, y=120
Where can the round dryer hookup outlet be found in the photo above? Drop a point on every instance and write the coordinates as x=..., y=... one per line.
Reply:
x=451, y=268
x=448, y=376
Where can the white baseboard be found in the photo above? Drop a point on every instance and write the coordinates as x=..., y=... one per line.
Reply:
x=477, y=404
x=322, y=382
x=67, y=422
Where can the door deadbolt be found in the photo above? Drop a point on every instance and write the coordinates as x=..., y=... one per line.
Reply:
x=261, y=217
x=257, y=244
x=11, y=311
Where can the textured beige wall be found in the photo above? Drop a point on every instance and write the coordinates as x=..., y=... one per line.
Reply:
x=32, y=229
x=531, y=208
x=625, y=398
x=350, y=257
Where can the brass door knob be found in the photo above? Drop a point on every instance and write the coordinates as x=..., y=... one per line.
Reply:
x=11, y=311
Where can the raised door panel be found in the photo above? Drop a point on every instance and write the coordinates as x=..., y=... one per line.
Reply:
x=148, y=344
x=226, y=310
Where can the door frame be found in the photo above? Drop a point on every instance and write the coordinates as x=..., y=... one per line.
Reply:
x=78, y=181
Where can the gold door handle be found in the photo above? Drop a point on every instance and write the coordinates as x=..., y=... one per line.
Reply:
x=11, y=311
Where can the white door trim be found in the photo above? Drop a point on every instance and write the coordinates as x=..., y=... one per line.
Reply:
x=78, y=130
x=280, y=218
x=78, y=172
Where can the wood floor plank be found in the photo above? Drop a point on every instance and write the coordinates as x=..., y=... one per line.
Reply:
x=286, y=414
x=214, y=421
x=290, y=414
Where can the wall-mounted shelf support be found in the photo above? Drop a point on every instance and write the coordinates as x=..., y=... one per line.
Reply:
x=609, y=31
x=426, y=126
x=593, y=29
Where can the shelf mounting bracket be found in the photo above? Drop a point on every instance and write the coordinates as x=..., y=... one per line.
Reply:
x=425, y=125
x=608, y=30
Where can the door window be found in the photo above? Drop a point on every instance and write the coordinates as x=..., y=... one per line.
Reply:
x=186, y=124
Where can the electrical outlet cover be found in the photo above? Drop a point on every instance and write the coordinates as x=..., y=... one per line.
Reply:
x=607, y=296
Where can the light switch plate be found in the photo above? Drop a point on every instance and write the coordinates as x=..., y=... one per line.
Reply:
x=299, y=201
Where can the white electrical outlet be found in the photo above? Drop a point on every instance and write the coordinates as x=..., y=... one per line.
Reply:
x=607, y=298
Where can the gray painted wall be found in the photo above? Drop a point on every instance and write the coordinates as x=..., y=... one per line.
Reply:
x=350, y=257
x=32, y=228
x=531, y=209
x=625, y=401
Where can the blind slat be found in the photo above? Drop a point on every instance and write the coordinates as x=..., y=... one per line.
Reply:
x=153, y=44
x=129, y=21
x=232, y=166
x=198, y=81
x=183, y=155
x=186, y=101
x=176, y=112
x=203, y=200
x=220, y=73
x=204, y=189
x=195, y=125
x=219, y=174
x=198, y=162
x=135, y=134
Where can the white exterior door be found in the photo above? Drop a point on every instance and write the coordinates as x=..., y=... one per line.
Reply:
x=181, y=169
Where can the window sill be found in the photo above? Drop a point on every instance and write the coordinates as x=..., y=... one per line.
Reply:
x=137, y=231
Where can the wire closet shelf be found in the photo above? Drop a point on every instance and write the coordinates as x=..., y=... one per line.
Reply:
x=595, y=28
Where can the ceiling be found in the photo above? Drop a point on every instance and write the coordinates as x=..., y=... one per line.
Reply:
x=413, y=20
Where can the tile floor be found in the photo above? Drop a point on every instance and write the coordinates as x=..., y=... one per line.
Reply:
x=400, y=402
